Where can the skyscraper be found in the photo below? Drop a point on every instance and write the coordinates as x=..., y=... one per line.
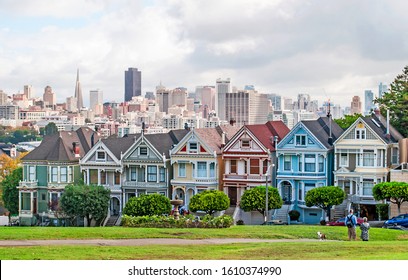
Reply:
x=49, y=97
x=133, y=83
x=222, y=88
x=78, y=92
x=355, y=107
x=381, y=89
x=95, y=98
x=368, y=101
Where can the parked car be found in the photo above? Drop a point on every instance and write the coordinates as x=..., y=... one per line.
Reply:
x=341, y=222
x=400, y=220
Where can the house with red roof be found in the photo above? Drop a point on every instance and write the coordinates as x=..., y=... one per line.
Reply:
x=249, y=159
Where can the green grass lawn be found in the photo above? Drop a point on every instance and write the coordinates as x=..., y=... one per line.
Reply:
x=383, y=245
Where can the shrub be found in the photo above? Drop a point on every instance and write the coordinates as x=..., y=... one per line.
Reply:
x=240, y=223
x=294, y=215
x=148, y=205
x=209, y=202
x=187, y=221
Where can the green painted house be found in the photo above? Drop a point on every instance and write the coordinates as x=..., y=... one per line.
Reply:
x=48, y=169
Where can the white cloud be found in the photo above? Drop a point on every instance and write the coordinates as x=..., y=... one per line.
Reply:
x=287, y=47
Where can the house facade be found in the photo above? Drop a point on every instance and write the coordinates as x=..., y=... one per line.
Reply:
x=364, y=155
x=197, y=161
x=48, y=169
x=247, y=157
x=305, y=161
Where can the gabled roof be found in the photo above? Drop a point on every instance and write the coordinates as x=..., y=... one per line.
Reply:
x=320, y=128
x=266, y=132
x=59, y=146
x=162, y=142
x=212, y=137
x=379, y=125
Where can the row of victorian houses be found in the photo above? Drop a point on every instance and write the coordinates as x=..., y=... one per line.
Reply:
x=232, y=159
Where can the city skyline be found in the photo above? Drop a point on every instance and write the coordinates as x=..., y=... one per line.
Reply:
x=326, y=50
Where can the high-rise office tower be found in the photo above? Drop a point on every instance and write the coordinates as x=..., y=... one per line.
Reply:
x=71, y=104
x=206, y=94
x=355, y=107
x=49, y=97
x=276, y=101
x=78, y=92
x=162, y=98
x=28, y=90
x=221, y=89
x=246, y=107
x=133, y=83
x=95, y=99
x=381, y=89
x=368, y=101
x=3, y=98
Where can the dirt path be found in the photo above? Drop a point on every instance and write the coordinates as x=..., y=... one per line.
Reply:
x=142, y=242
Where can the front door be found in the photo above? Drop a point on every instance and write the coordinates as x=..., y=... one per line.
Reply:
x=232, y=194
x=286, y=192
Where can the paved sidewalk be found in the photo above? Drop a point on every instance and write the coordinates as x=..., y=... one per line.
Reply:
x=142, y=242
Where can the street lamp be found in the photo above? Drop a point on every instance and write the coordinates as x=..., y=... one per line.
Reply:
x=266, y=191
x=275, y=138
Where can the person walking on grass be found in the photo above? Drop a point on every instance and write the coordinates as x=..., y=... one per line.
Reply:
x=365, y=226
x=351, y=222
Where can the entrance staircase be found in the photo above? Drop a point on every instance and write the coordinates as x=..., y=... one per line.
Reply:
x=340, y=211
x=282, y=214
x=112, y=221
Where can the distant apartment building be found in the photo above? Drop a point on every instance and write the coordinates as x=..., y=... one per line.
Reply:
x=3, y=98
x=71, y=104
x=276, y=101
x=288, y=104
x=28, y=91
x=222, y=87
x=8, y=112
x=355, y=107
x=32, y=115
x=133, y=83
x=246, y=107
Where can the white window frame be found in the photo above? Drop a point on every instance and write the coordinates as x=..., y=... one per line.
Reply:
x=361, y=133
x=31, y=173
x=100, y=158
x=299, y=140
x=245, y=144
x=182, y=169
x=344, y=163
x=143, y=149
x=201, y=169
x=54, y=174
x=290, y=163
x=193, y=150
x=64, y=172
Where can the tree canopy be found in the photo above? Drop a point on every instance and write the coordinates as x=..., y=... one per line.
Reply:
x=89, y=201
x=347, y=120
x=325, y=197
x=395, y=192
x=255, y=198
x=396, y=101
x=10, y=191
x=50, y=129
x=148, y=205
x=209, y=201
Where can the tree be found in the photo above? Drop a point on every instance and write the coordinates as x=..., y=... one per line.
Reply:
x=10, y=191
x=50, y=129
x=8, y=164
x=148, y=205
x=325, y=197
x=347, y=121
x=89, y=201
x=209, y=201
x=255, y=198
x=395, y=192
x=396, y=101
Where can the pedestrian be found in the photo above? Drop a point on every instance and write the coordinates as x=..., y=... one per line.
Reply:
x=351, y=222
x=365, y=226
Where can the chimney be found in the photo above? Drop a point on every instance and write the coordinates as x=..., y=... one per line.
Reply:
x=223, y=139
x=92, y=140
x=232, y=122
x=75, y=149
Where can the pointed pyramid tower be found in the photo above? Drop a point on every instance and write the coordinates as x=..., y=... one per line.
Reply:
x=78, y=92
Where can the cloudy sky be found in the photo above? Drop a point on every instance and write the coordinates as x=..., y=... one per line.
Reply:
x=329, y=49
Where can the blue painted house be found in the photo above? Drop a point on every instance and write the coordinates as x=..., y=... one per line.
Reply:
x=305, y=161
